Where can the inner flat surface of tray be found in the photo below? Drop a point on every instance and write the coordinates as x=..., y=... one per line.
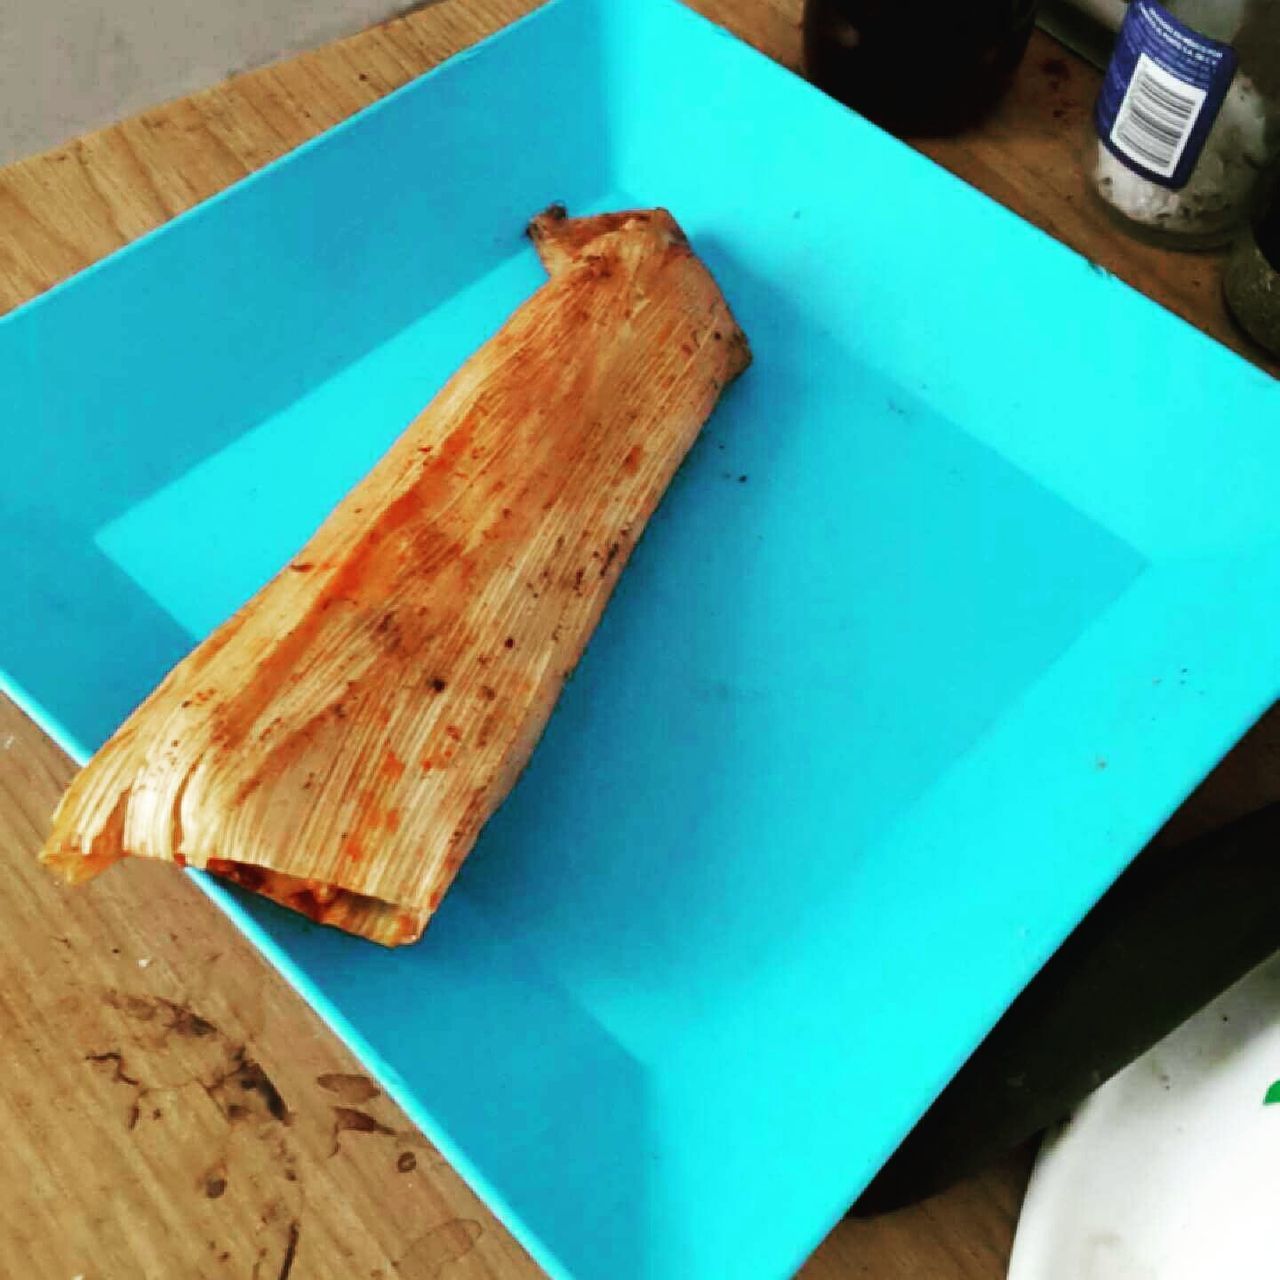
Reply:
x=911, y=660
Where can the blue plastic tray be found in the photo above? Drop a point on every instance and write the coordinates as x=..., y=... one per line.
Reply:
x=969, y=580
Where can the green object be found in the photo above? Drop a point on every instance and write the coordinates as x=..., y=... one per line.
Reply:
x=1273, y=1095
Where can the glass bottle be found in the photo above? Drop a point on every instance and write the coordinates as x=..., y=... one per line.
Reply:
x=1187, y=118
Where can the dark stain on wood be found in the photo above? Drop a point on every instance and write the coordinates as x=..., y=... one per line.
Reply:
x=116, y=1059
x=245, y=1078
x=352, y=1120
x=174, y=1017
x=290, y=1250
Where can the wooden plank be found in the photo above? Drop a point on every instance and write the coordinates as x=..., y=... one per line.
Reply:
x=170, y=1108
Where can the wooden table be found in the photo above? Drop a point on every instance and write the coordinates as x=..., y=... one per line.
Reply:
x=170, y=1109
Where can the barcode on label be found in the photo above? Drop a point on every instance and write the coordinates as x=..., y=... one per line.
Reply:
x=1156, y=117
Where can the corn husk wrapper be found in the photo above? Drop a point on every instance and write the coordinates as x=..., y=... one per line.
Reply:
x=338, y=743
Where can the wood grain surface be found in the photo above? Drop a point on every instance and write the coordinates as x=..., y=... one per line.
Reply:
x=169, y=1108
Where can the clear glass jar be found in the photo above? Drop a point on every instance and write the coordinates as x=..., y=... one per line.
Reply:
x=1175, y=161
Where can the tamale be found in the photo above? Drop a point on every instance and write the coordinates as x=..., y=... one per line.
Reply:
x=338, y=743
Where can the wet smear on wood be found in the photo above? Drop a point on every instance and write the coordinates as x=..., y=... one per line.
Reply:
x=349, y=1088
x=430, y=1254
x=115, y=1060
x=290, y=1250
x=168, y=1014
x=244, y=1087
x=351, y=1120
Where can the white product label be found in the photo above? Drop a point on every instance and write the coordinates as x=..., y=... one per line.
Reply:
x=1157, y=117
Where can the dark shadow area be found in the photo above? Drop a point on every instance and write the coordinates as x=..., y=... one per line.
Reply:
x=1176, y=929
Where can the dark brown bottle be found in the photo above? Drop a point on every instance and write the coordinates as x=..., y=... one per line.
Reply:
x=916, y=66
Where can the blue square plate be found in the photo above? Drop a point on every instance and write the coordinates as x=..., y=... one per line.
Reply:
x=970, y=579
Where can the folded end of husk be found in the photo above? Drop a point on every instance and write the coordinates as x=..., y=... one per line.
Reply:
x=371, y=918
x=74, y=867
x=387, y=923
x=561, y=241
